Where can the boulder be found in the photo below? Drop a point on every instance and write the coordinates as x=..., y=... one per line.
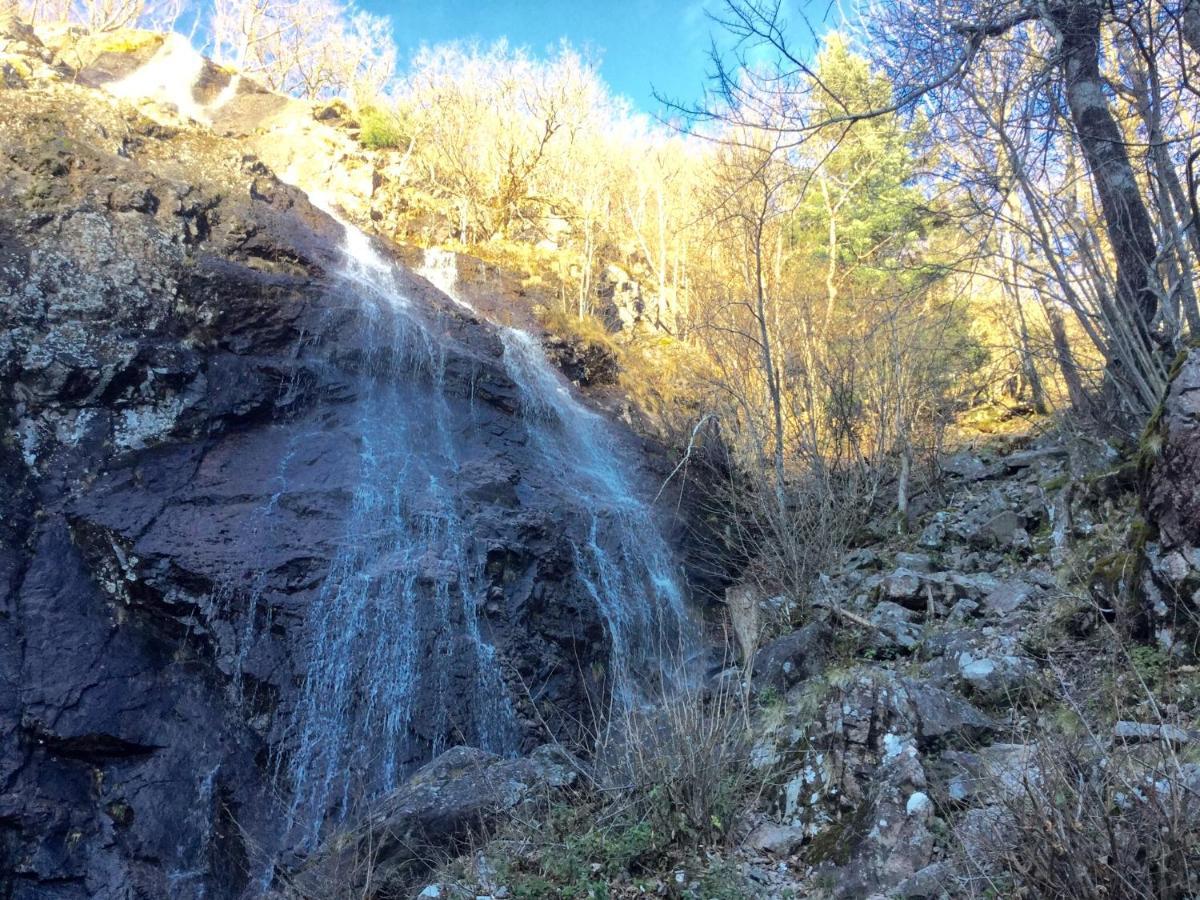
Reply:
x=897, y=841
x=1000, y=529
x=941, y=715
x=1141, y=732
x=777, y=840
x=792, y=658
x=903, y=586
x=1171, y=499
x=585, y=361
x=460, y=795
x=917, y=562
x=966, y=466
x=933, y=535
x=991, y=773
x=896, y=627
x=1009, y=596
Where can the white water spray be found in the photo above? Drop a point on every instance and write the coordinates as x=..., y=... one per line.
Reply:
x=440, y=268
x=169, y=76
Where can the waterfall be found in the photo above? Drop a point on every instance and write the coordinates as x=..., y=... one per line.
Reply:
x=403, y=594
x=440, y=268
x=169, y=75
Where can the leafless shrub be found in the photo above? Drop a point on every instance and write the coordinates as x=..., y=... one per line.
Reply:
x=1083, y=824
x=682, y=763
x=1087, y=809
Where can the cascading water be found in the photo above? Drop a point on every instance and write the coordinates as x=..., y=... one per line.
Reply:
x=403, y=592
x=440, y=268
x=402, y=598
x=623, y=562
x=622, y=559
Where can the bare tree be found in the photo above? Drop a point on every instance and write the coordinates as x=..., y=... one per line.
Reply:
x=311, y=48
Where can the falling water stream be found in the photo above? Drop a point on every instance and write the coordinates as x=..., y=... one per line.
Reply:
x=406, y=584
x=401, y=598
x=624, y=563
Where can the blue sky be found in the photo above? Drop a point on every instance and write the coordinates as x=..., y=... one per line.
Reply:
x=643, y=44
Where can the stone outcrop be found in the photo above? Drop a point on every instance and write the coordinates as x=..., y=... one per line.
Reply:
x=878, y=759
x=1168, y=573
x=455, y=799
x=1173, y=441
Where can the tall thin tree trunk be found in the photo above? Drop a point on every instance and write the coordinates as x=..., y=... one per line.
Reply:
x=831, y=290
x=1028, y=363
x=1064, y=357
x=1126, y=219
x=1174, y=213
x=768, y=358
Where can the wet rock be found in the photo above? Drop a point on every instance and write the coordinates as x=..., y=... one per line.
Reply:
x=586, y=362
x=185, y=374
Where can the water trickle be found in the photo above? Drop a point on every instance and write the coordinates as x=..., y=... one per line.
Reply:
x=440, y=268
x=170, y=75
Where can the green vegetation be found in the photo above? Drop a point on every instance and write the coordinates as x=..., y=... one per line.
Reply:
x=380, y=129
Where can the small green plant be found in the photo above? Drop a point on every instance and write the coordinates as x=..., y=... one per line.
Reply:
x=1150, y=664
x=380, y=129
x=720, y=881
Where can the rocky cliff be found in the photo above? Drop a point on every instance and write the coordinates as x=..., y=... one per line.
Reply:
x=279, y=521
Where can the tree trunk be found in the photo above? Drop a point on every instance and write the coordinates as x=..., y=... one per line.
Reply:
x=1189, y=24
x=768, y=359
x=1126, y=220
x=1173, y=209
x=1028, y=363
x=903, y=522
x=831, y=290
x=1064, y=357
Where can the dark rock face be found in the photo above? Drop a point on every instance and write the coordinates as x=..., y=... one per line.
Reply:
x=792, y=658
x=183, y=379
x=1168, y=567
x=584, y=361
x=1173, y=500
